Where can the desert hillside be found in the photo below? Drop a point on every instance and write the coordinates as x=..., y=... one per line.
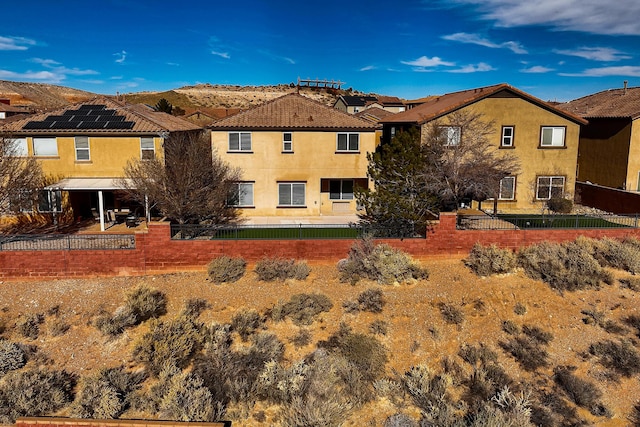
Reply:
x=41, y=96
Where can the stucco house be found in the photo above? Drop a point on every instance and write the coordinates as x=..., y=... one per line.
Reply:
x=84, y=148
x=299, y=157
x=609, y=153
x=356, y=103
x=543, y=138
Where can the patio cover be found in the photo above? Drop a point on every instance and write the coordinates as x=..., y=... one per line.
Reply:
x=95, y=184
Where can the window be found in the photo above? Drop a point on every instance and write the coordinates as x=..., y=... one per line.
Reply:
x=241, y=194
x=552, y=136
x=147, y=148
x=50, y=201
x=507, y=188
x=287, y=141
x=549, y=186
x=348, y=142
x=239, y=141
x=291, y=193
x=507, y=136
x=341, y=189
x=45, y=147
x=82, y=148
x=18, y=147
x=450, y=135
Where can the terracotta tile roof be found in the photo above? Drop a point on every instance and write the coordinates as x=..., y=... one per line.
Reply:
x=609, y=103
x=292, y=111
x=390, y=101
x=145, y=120
x=373, y=114
x=439, y=106
x=13, y=108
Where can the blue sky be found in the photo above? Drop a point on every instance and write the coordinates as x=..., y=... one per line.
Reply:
x=553, y=49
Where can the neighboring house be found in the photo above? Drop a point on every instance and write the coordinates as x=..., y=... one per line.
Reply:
x=85, y=147
x=200, y=118
x=544, y=138
x=298, y=156
x=356, y=103
x=374, y=115
x=7, y=110
x=609, y=153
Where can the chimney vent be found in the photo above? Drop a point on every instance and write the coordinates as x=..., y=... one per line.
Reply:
x=625, y=86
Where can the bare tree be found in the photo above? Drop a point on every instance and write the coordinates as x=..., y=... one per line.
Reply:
x=191, y=184
x=462, y=162
x=20, y=176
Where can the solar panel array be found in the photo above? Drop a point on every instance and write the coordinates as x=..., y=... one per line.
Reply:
x=86, y=117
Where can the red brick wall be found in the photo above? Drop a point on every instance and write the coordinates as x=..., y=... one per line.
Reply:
x=156, y=253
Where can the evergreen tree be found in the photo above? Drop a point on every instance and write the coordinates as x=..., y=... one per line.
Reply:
x=164, y=106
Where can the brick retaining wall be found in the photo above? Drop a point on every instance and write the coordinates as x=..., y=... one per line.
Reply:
x=156, y=253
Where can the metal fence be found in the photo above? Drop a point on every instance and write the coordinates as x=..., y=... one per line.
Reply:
x=532, y=222
x=285, y=232
x=56, y=242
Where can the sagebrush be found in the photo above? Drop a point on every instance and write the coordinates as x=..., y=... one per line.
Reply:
x=226, y=269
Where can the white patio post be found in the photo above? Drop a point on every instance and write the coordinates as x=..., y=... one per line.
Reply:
x=101, y=210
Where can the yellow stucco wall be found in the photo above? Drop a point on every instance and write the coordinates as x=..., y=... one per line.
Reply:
x=527, y=119
x=108, y=156
x=633, y=168
x=314, y=157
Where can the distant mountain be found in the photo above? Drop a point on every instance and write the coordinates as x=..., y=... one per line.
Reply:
x=41, y=96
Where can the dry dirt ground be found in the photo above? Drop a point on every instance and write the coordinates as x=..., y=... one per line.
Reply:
x=417, y=332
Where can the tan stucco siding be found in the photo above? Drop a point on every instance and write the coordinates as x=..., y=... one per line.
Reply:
x=528, y=120
x=314, y=157
x=633, y=168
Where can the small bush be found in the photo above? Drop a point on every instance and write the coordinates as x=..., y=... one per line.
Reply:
x=520, y=309
x=193, y=307
x=379, y=327
x=632, y=283
x=543, y=337
x=12, y=357
x=400, y=420
x=371, y=300
x=451, y=314
x=381, y=263
x=511, y=327
x=29, y=326
x=560, y=205
x=479, y=355
x=141, y=303
x=527, y=347
x=488, y=260
x=270, y=269
x=583, y=393
x=226, y=269
x=621, y=357
x=58, y=327
x=246, y=322
x=302, y=338
x=302, y=308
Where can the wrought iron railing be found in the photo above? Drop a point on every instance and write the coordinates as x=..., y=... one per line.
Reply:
x=54, y=242
x=530, y=222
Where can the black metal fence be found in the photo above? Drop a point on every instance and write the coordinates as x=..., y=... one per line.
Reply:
x=524, y=222
x=56, y=242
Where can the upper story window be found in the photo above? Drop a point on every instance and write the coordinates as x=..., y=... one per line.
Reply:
x=450, y=135
x=507, y=137
x=552, y=136
x=45, y=146
x=287, y=142
x=17, y=147
x=147, y=148
x=291, y=194
x=348, y=142
x=82, y=148
x=239, y=141
x=241, y=194
x=549, y=186
x=507, y=188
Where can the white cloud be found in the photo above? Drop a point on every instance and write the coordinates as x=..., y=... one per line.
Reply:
x=590, y=16
x=44, y=76
x=515, y=47
x=16, y=43
x=121, y=56
x=595, y=53
x=58, y=68
x=427, y=64
x=627, y=71
x=479, y=68
x=368, y=68
x=224, y=55
x=537, y=69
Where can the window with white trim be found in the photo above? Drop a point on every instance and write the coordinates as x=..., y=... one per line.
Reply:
x=507, y=188
x=241, y=194
x=82, y=148
x=450, y=135
x=549, y=186
x=341, y=189
x=17, y=147
x=291, y=193
x=45, y=146
x=239, y=141
x=348, y=142
x=50, y=201
x=287, y=142
x=507, y=136
x=552, y=136
x=147, y=148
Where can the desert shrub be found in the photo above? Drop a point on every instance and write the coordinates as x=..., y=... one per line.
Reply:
x=621, y=357
x=635, y=415
x=12, y=357
x=172, y=342
x=351, y=306
x=280, y=384
x=301, y=338
x=226, y=269
x=479, y=355
x=620, y=254
x=379, y=327
x=488, y=260
x=560, y=205
x=193, y=307
x=430, y=393
x=527, y=348
x=400, y=420
x=302, y=308
x=58, y=327
x=520, y=309
x=246, y=322
x=270, y=269
x=106, y=394
x=632, y=283
x=371, y=300
x=543, y=337
x=511, y=327
x=583, y=393
x=381, y=263
x=633, y=321
x=34, y=393
x=563, y=266
x=451, y=314
x=599, y=318
x=141, y=303
x=29, y=326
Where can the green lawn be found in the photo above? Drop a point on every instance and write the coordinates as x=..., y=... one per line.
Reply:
x=561, y=221
x=274, y=233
